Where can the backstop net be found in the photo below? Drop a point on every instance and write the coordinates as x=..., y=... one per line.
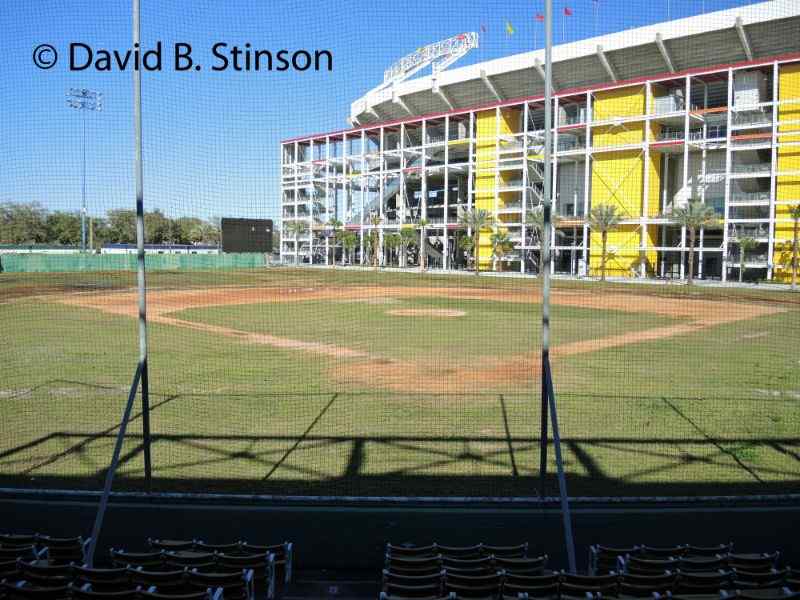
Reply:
x=344, y=224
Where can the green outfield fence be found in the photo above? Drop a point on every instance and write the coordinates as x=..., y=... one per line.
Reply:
x=47, y=263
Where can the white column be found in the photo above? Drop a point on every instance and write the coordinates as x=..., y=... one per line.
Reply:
x=773, y=170
x=727, y=178
x=685, y=183
x=446, y=201
x=587, y=180
x=554, y=187
x=644, y=217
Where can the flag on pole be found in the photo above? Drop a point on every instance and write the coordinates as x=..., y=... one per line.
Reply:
x=567, y=11
x=509, y=28
x=540, y=17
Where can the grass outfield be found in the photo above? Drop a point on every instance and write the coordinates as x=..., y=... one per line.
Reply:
x=701, y=398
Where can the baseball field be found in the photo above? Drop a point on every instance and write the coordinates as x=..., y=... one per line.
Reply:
x=344, y=382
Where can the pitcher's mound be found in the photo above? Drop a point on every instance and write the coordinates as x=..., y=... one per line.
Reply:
x=426, y=312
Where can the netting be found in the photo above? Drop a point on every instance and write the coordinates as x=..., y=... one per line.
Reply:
x=344, y=282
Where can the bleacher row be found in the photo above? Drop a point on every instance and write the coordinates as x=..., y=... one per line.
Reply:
x=47, y=568
x=437, y=572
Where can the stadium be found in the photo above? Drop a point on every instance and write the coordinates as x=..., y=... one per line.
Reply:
x=478, y=345
x=704, y=108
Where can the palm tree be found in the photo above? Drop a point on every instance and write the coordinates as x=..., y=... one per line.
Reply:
x=535, y=220
x=423, y=242
x=295, y=229
x=476, y=220
x=374, y=238
x=693, y=216
x=501, y=246
x=746, y=244
x=408, y=237
x=349, y=243
x=335, y=225
x=392, y=241
x=604, y=218
x=794, y=214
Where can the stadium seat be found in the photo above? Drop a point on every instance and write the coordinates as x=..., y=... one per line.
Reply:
x=462, y=552
x=112, y=580
x=469, y=586
x=42, y=573
x=530, y=566
x=385, y=596
x=662, y=551
x=719, y=550
x=206, y=595
x=17, y=539
x=8, y=570
x=202, y=561
x=234, y=586
x=534, y=586
x=702, y=564
x=63, y=550
x=282, y=555
x=646, y=566
x=768, y=594
x=148, y=560
x=580, y=585
x=164, y=581
x=171, y=545
x=231, y=548
x=518, y=551
x=645, y=585
x=408, y=565
x=28, y=552
x=469, y=566
x=389, y=578
x=603, y=559
x=87, y=592
x=744, y=579
x=793, y=579
x=703, y=583
x=262, y=566
x=24, y=591
x=753, y=562
x=411, y=551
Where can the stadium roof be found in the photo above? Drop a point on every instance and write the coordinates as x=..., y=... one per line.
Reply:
x=741, y=34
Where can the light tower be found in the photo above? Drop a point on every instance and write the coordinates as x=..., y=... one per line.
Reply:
x=83, y=99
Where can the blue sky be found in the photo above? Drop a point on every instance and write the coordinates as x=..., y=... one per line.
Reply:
x=211, y=140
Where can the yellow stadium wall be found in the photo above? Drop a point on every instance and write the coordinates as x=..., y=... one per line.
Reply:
x=487, y=129
x=787, y=186
x=618, y=180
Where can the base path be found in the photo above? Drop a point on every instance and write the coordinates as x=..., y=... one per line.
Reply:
x=361, y=368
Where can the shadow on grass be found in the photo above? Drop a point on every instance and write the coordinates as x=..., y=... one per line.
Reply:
x=486, y=464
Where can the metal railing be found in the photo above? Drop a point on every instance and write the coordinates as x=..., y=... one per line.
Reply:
x=737, y=197
x=750, y=167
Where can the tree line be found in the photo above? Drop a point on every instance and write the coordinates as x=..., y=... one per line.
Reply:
x=31, y=223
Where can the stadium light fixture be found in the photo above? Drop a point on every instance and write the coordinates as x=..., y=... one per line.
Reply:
x=84, y=100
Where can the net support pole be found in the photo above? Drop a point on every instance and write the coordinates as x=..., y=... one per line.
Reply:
x=140, y=270
x=566, y=515
x=112, y=468
x=545, y=249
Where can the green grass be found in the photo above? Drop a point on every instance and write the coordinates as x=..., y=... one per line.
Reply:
x=487, y=328
x=715, y=412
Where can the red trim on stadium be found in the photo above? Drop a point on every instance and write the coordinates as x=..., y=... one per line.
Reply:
x=666, y=76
